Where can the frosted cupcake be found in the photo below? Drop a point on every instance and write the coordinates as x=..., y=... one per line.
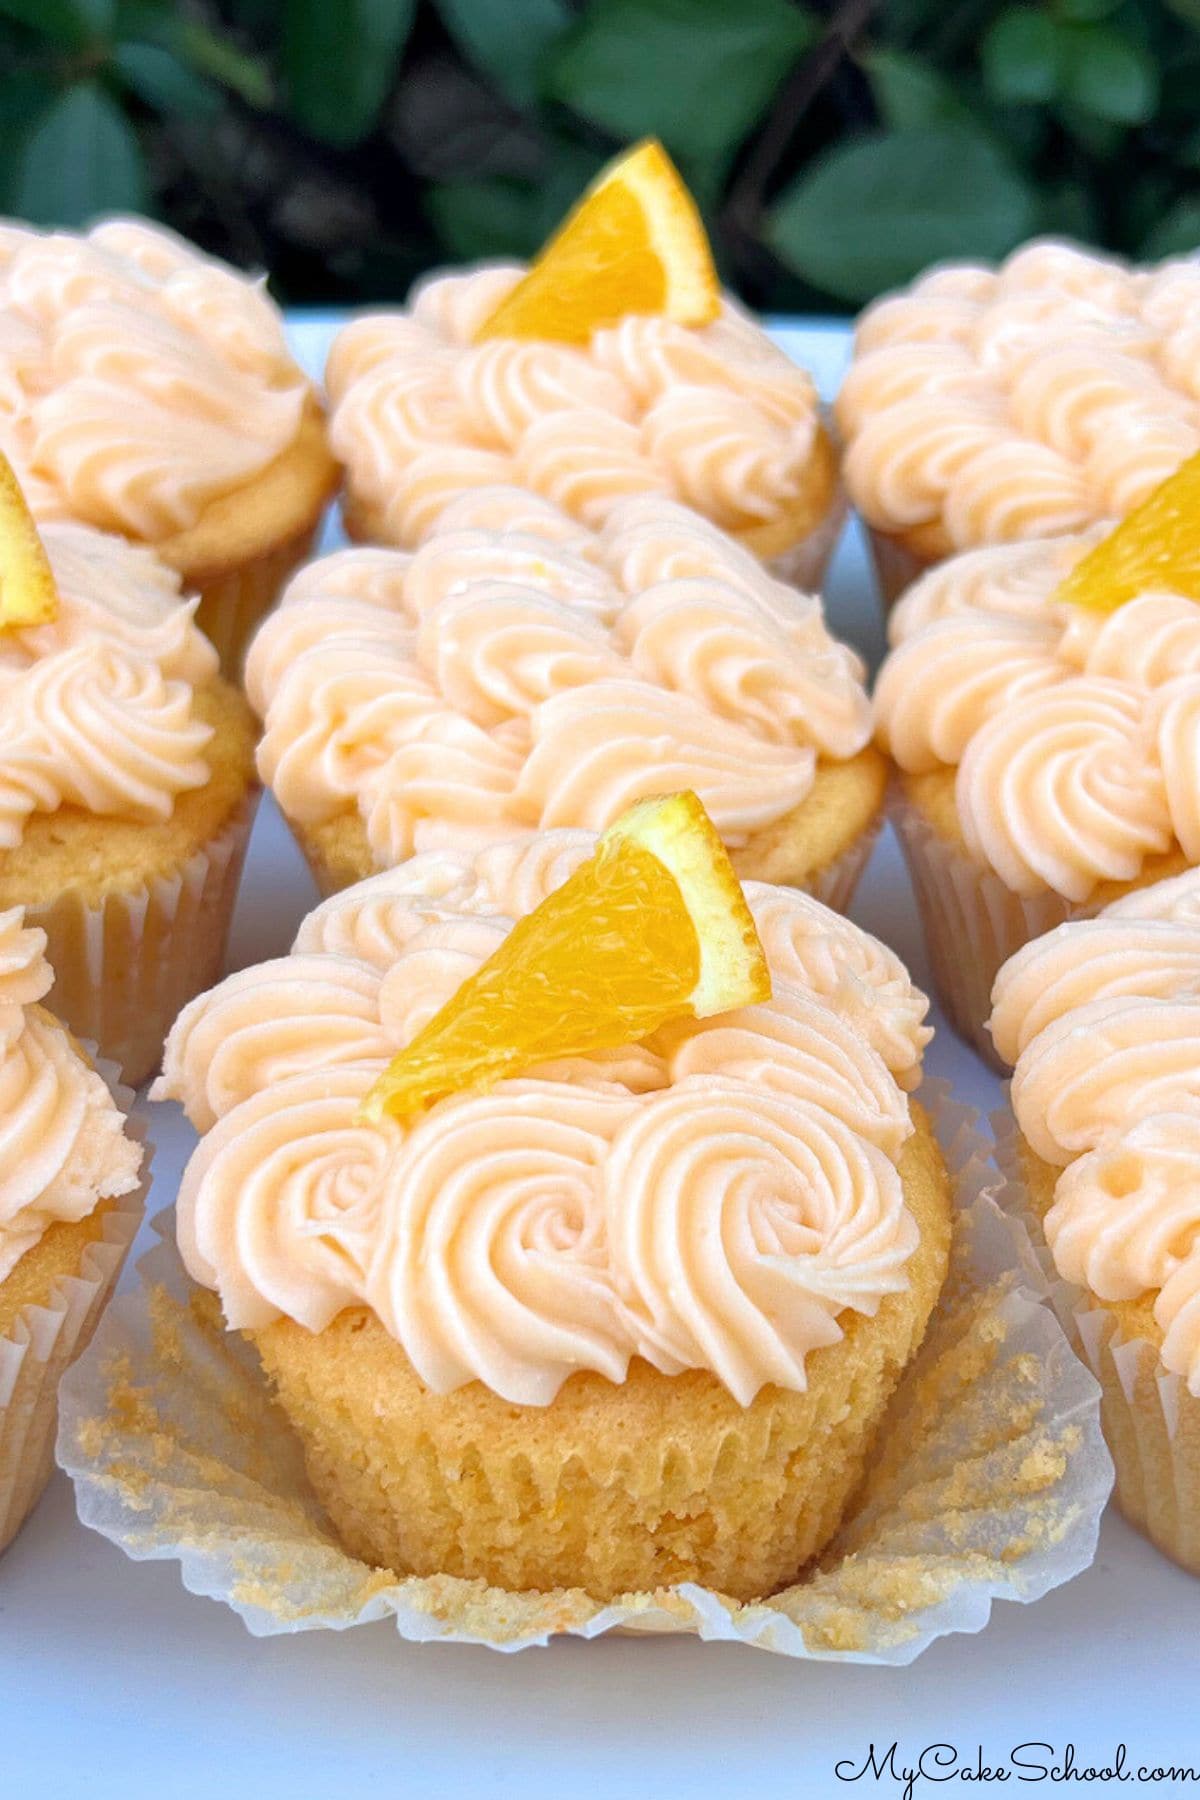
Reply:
x=126, y=791
x=519, y=672
x=627, y=1320
x=588, y=382
x=988, y=406
x=147, y=390
x=1048, y=755
x=70, y=1200
x=1102, y=1021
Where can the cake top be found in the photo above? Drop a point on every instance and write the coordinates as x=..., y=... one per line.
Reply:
x=988, y=405
x=1074, y=733
x=715, y=1197
x=715, y=416
x=1102, y=1021
x=97, y=706
x=519, y=671
x=63, y=1148
x=139, y=380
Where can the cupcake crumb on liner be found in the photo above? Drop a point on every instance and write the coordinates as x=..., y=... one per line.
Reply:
x=44, y=1340
x=125, y=965
x=971, y=921
x=989, y=1481
x=1151, y=1421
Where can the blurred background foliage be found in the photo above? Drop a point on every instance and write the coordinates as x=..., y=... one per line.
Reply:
x=835, y=148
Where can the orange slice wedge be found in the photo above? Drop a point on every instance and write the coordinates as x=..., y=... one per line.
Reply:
x=653, y=927
x=1156, y=546
x=28, y=595
x=633, y=244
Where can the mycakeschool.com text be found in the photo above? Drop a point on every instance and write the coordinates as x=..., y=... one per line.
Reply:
x=911, y=1771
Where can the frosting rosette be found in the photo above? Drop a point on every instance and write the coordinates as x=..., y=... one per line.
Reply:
x=985, y=406
x=1102, y=1021
x=1075, y=736
x=139, y=380
x=62, y=1142
x=509, y=679
x=97, y=707
x=714, y=416
x=716, y=1198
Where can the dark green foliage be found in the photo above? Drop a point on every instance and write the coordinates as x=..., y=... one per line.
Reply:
x=836, y=146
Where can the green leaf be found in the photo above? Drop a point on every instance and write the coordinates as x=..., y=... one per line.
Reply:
x=158, y=77
x=874, y=212
x=1108, y=76
x=1077, y=12
x=507, y=43
x=909, y=92
x=1176, y=233
x=1020, y=57
x=508, y=218
x=75, y=23
x=340, y=58
x=81, y=158
x=205, y=52
x=695, y=73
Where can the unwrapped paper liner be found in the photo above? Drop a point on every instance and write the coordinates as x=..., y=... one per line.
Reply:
x=972, y=922
x=896, y=566
x=989, y=1482
x=1151, y=1421
x=125, y=965
x=44, y=1340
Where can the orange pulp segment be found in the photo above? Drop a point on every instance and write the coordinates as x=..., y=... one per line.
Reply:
x=653, y=927
x=28, y=595
x=1156, y=546
x=633, y=244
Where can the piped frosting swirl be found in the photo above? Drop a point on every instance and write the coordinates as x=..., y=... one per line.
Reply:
x=139, y=380
x=62, y=1144
x=989, y=405
x=1102, y=1020
x=1075, y=736
x=715, y=416
x=504, y=680
x=717, y=1198
x=97, y=708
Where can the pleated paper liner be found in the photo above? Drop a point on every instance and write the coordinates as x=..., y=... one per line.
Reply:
x=989, y=1482
x=972, y=922
x=896, y=566
x=234, y=602
x=1151, y=1421
x=124, y=966
x=44, y=1340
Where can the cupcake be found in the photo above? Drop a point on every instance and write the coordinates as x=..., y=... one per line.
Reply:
x=148, y=391
x=626, y=1320
x=70, y=1201
x=499, y=375
x=987, y=406
x=126, y=792
x=1048, y=754
x=520, y=672
x=1101, y=1020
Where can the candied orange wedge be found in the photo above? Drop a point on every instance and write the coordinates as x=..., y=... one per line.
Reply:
x=1157, y=545
x=28, y=595
x=633, y=244
x=653, y=927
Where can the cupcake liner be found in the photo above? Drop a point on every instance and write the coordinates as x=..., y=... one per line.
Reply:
x=834, y=885
x=45, y=1340
x=126, y=964
x=896, y=566
x=1151, y=1422
x=803, y=565
x=989, y=1479
x=972, y=922
x=233, y=603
